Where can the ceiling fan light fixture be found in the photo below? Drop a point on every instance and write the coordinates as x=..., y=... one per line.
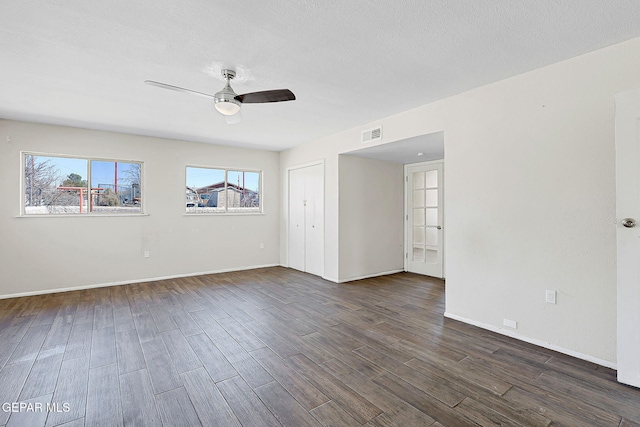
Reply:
x=226, y=102
x=228, y=107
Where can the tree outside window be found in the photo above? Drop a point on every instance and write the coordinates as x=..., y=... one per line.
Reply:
x=67, y=185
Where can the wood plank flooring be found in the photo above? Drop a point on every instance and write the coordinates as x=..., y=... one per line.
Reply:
x=276, y=347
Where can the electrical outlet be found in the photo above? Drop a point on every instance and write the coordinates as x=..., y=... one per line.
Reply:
x=147, y=254
x=550, y=296
x=510, y=323
x=261, y=245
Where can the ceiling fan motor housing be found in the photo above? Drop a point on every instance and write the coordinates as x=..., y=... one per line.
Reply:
x=225, y=100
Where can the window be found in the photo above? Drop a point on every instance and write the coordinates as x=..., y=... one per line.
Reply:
x=68, y=185
x=210, y=190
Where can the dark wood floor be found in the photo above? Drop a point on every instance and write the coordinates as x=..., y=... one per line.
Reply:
x=275, y=347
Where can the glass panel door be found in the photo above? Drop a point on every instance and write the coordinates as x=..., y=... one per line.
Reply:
x=424, y=218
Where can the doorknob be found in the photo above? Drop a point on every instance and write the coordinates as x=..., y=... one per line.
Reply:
x=629, y=222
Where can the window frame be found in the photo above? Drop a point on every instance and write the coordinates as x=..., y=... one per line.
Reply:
x=88, y=159
x=227, y=169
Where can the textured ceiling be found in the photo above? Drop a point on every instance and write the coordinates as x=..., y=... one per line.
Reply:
x=83, y=63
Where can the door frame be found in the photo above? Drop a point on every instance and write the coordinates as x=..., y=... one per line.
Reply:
x=406, y=211
x=288, y=207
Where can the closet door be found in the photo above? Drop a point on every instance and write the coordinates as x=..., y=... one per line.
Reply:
x=306, y=219
x=314, y=220
x=296, y=219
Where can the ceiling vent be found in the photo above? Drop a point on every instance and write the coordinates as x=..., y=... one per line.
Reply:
x=374, y=134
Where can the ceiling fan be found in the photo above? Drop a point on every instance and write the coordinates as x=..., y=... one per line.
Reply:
x=227, y=102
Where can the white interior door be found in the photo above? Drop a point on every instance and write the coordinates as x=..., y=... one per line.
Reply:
x=296, y=219
x=628, y=235
x=424, y=219
x=314, y=219
x=306, y=219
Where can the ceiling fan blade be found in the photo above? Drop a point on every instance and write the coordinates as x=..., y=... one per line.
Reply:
x=176, y=88
x=277, y=95
x=233, y=119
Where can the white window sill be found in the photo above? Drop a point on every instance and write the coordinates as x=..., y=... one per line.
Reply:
x=225, y=214
x=80, y=215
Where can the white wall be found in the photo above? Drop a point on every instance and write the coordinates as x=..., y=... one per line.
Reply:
x=371, y=211
x=44, y=253
x=530, y=195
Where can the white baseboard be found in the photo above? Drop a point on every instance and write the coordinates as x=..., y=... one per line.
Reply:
x=368, y=276
x=533, y=341
x=127, y=282
x=336, y=280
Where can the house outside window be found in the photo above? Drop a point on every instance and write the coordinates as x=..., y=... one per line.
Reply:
x=216, y=190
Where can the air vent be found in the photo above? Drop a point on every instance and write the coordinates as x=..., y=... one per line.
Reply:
x=374, y=134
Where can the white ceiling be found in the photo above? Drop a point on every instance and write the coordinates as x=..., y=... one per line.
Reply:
x=349, y=62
